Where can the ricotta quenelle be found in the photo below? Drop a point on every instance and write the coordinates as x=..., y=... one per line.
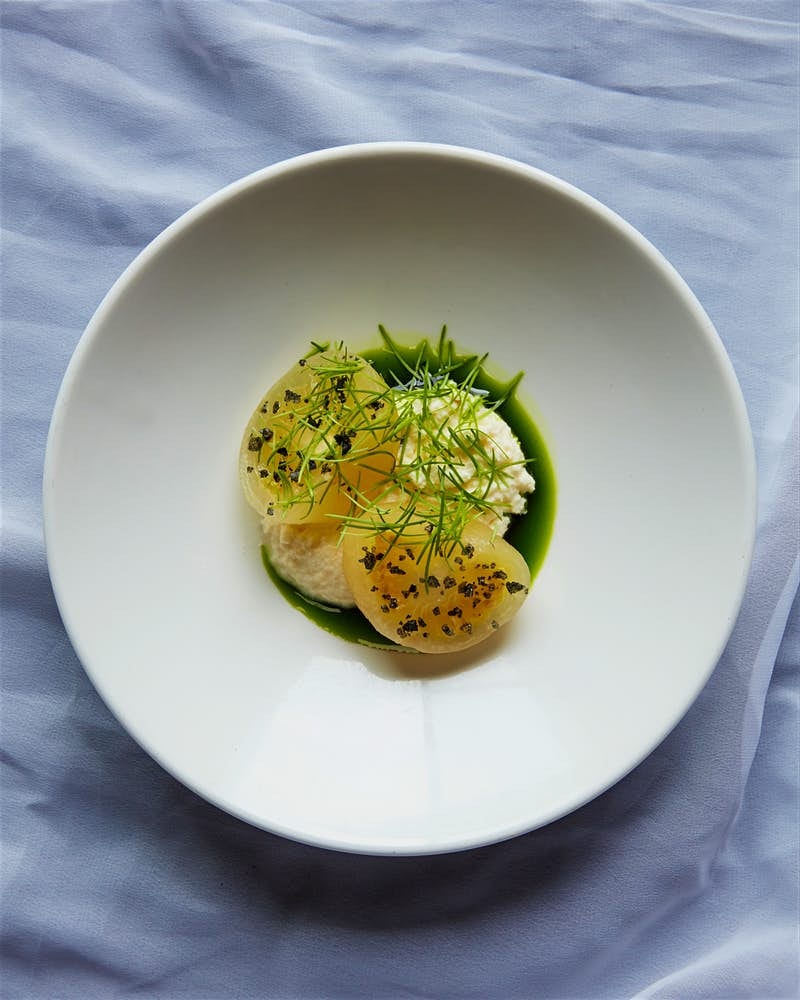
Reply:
x=456, y=444
x=309, y=557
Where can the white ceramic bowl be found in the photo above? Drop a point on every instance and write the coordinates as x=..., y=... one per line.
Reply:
x=154, y=556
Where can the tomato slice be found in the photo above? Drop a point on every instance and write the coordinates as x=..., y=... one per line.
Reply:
x=435, y=601
x=320, y=441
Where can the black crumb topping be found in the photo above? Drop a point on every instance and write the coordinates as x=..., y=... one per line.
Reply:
x=344, y=442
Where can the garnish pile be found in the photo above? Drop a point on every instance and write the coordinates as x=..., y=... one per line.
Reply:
x=415, y=482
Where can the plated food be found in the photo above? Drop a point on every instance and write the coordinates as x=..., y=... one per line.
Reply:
x=338, y=744
x=386, y=482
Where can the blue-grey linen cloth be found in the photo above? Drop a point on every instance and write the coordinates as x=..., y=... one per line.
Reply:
x=682, y=880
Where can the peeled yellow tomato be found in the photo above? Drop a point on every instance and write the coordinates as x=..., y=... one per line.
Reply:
x=440, y=606
x=319, y=440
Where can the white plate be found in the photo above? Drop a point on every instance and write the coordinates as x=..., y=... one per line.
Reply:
x=154, y=556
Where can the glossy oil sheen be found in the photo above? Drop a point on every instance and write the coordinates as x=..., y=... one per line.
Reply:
x=529, y=533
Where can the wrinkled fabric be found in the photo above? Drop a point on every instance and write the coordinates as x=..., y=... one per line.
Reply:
x=679, y=882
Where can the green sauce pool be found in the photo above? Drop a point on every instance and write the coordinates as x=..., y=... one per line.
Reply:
x=529, y=533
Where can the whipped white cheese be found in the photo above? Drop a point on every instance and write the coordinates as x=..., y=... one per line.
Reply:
x=481, y=454
x=308, y=557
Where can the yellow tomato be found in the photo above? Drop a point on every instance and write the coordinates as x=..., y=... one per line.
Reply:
x=435, y=601
x=319, y=443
